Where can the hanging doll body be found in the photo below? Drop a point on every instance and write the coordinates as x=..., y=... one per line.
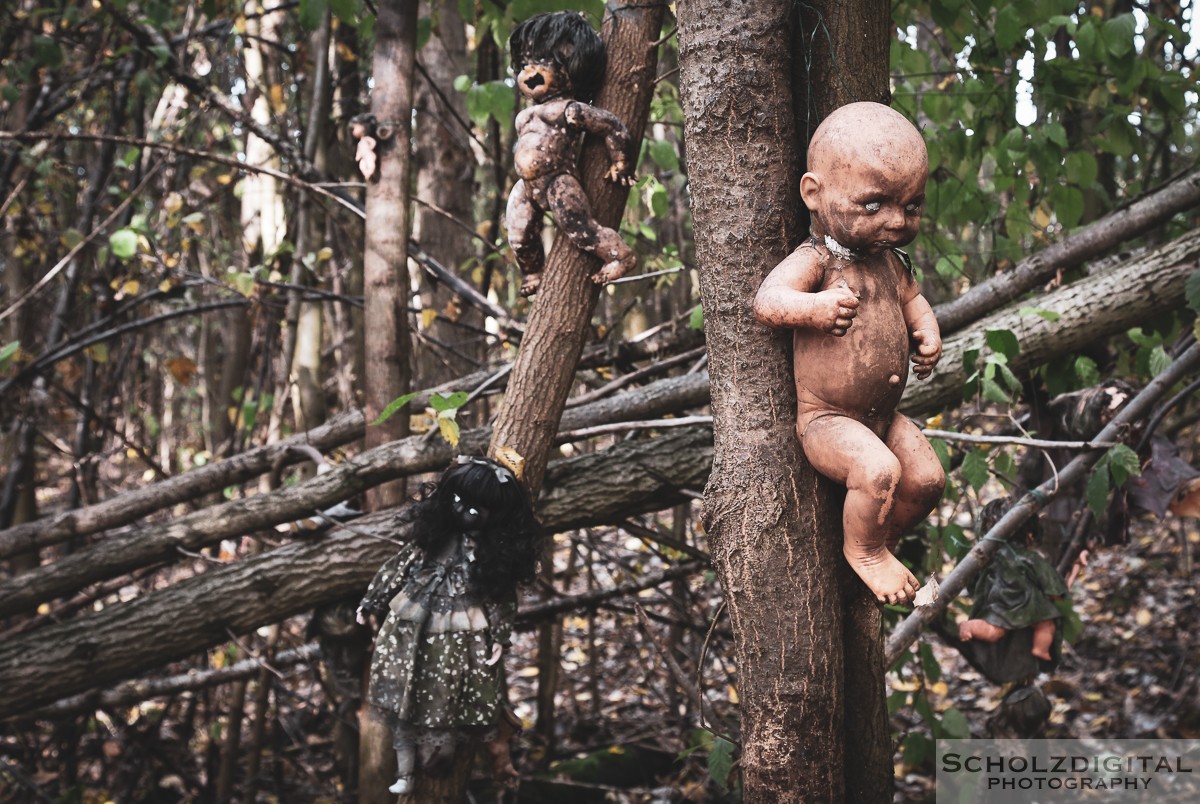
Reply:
x=450, y=597
x=858, y=316
x=559, y=61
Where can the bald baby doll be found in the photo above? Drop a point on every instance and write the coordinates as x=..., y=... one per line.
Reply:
x=858, y=315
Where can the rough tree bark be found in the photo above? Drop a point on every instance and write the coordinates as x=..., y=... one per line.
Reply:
x=774, y=524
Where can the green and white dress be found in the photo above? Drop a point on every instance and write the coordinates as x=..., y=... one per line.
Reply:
x=430, y=670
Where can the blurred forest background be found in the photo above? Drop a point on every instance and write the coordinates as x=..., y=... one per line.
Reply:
x=184, y=351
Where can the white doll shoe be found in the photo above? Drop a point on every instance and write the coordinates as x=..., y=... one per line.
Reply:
x=401, y=786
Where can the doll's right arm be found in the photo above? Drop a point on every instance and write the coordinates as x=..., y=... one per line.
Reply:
x=786, y=297
x=383, y=587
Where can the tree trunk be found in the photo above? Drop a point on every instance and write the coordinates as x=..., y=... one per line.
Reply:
x=385, y=263
x=778, y=569
x=773, y=523
x=446, y=183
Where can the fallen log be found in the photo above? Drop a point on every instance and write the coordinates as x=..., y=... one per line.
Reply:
x=1083, y=312
x=124, y=640
x=1081, y=245
x=416, y=454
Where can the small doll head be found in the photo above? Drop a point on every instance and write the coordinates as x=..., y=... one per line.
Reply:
x=865, y=184
x=557, y=54
x=482, y=498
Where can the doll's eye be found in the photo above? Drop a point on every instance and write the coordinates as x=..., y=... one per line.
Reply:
x=872, y=206
x=914, y=207
x=472, y=512
x=457, y=499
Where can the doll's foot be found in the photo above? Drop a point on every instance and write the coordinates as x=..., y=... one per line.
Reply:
x=888, y=579
x=530, y=284
x=401, y=786
x=611, y=271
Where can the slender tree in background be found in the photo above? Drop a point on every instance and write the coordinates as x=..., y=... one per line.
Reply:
x=773, y=522
x=385, y=289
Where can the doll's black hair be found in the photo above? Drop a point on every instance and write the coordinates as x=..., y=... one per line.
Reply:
x=510, y=544
x=567, y=39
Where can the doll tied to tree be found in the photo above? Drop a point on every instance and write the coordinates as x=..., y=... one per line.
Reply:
x=559, y=61
x=858, y=316
x=450, y=597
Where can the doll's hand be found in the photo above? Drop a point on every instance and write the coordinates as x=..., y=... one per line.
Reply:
x=361, y=616
x=617, y=174
x=834, y=309
x=497, y=650
x=927, y=352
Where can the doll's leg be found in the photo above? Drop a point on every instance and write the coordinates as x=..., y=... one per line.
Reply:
x=981, y=630
x=573, y=214
x=524, y=221
x=403, y=740
x=922, y=479
x=1043, y=638
x=498, y=745
x=847, y=451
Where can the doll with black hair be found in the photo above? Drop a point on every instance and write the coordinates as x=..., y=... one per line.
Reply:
x=450, y=599
x=559, y=61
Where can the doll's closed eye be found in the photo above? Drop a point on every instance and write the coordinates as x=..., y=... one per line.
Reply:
x=872, y=206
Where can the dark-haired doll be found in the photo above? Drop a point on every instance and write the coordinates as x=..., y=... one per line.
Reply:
x=559, y=61
x=450, y=598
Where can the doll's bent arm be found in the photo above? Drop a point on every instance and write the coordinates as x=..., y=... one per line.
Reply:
x=925, y=333
x=786, y=298
x=603, y=123
x=382, y=587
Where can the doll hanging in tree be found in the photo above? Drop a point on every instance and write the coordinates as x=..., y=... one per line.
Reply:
x=858, y=317
x=450, y=598
x=559, y=61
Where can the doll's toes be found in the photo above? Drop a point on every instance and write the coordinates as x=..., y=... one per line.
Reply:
x=530, y=284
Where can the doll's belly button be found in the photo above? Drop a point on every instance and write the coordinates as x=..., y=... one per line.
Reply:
x=894, y=380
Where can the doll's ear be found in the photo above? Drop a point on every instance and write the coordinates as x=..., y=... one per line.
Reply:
x=810, y=190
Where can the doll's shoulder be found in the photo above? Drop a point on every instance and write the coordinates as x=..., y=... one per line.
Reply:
x=802, y=269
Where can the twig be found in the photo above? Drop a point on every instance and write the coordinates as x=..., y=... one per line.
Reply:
x=534, y=614
x=1041, y=443
x=681, y=679
x=651, y=275
x=621, y=427
x=1033, y=501
x=633, y=376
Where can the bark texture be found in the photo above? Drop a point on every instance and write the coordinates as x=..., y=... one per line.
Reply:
x=767, y=513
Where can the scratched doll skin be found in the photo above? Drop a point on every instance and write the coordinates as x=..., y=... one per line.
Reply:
x=858, y=317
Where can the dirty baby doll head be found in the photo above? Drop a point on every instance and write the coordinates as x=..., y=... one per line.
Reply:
x=557, y=54
x=865, y=184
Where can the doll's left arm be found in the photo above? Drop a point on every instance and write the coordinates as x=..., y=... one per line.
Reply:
x=501, y=614
x=382, y=587
x=603, y=123
x=923, y=331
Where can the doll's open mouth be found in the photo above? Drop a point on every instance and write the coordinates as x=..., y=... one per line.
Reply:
x=534, y=81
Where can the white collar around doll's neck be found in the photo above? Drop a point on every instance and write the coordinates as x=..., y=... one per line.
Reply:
x=839, y=251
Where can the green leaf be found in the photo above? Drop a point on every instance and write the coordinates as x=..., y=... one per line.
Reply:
x=975, y=469
x=1160, y=361
x=1003, y=341
x=954, y=725
x=1097, y=490
x=1191, y=290
x=1072, y=626
x=696, y=320
x=310, y=13
x=1122, y=463
x=345, y=10
x=7, y=352
x=949, y=266
x=445, y=403
x=956, y=542
x=1067, y=203
x=394, y=406
x=929, y=663
x=720, y=760
x=1086, y=371
x=942, y=451
x=664, y=155
x=917, y=749
x=124, y=243
x=1082, y=168
x=1118, y=34
x=992, y=391
x=47, y=52
x=1009, y=29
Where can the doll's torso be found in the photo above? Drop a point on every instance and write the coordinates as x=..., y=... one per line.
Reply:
x=863, y=372
x=545, y=142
